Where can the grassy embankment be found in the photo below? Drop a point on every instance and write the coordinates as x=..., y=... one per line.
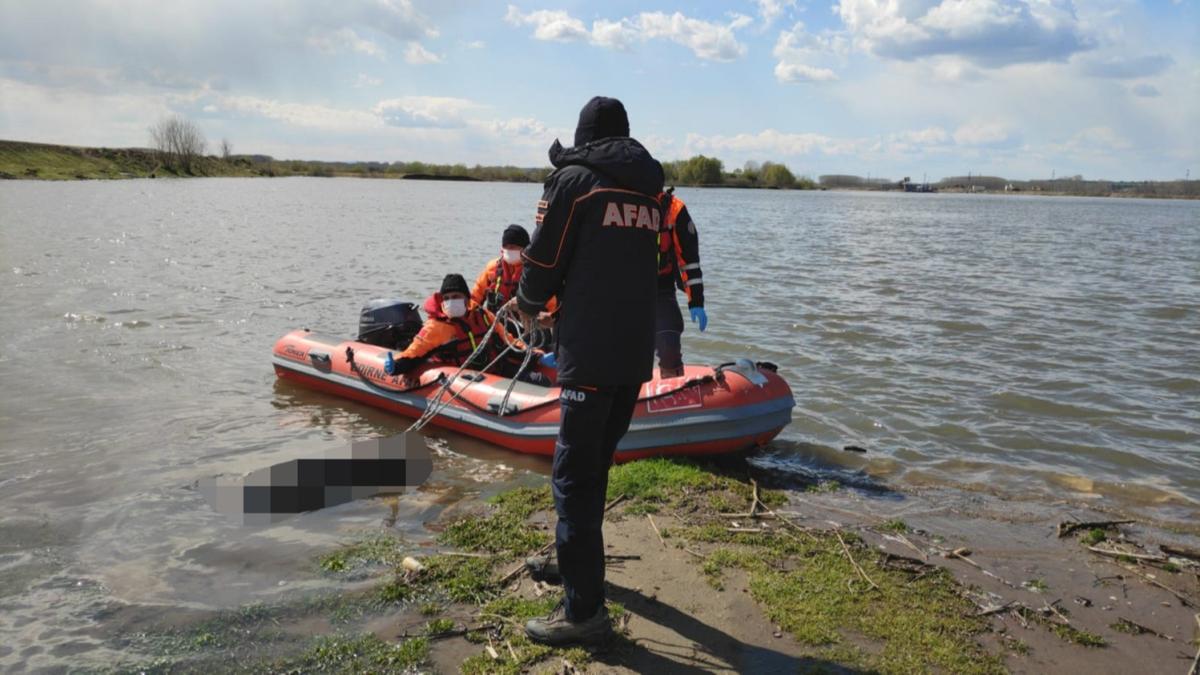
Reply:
x=841, y=602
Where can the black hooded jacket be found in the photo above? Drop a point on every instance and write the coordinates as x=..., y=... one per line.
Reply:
x=595, y=248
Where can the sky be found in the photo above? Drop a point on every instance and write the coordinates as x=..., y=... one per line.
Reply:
x=1017, y=88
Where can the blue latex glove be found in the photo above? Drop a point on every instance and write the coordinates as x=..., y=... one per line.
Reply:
x=389, y=364
x=549, y=361
x=698, y=315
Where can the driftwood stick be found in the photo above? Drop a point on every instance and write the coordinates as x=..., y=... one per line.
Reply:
x=846, y=550
x=753, y=497
x=746, y=515
x=660, y=537
x=1185, y=600
x=1069, y=526
x=1139, y=628
x=1051, y=606
x=1180, y=551
x=1122, y=554
x=1196, y=661
x=749, y=530
x=998, y=610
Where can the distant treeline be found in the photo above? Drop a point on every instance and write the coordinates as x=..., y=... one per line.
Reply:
x=59, y=162
x=1067, y=185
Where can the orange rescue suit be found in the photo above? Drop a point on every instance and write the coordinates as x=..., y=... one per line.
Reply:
x=497, y=283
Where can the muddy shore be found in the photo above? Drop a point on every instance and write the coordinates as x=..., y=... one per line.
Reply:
x=831, y=578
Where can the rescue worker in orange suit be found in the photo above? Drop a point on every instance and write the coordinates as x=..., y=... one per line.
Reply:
x=497, y=283
x=678, y=267
x=595, y=249
x=453, y=332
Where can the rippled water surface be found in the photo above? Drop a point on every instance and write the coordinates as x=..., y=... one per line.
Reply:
x=1038, y=346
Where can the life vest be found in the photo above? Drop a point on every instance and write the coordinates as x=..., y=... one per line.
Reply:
x=668, y=242
x=468, y=331
x=500, y=287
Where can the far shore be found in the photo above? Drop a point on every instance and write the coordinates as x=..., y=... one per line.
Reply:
x=20, y=160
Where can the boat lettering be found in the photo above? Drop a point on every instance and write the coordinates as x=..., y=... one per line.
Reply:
x=679, y=398
x=293, y=352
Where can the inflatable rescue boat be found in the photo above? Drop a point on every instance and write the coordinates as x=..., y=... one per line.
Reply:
x=708, y=410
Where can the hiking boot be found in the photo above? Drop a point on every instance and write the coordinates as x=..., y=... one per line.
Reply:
x=543, y=568
x=556, y=629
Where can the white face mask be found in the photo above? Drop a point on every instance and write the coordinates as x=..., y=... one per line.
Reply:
x=455, y=307
x=511, y=256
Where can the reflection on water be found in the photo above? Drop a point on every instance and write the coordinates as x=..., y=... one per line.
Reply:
x=1022, y=345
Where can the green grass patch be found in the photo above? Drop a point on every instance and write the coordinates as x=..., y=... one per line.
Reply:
x=824, y=486
x=515, y=611
x=373, y=550
x=895, y=525
x=504, y=530
x=1036, y=585
x=437, y=626
x=1094, y=536
x=358, y=654
x=655, y=478
x=1076, y=636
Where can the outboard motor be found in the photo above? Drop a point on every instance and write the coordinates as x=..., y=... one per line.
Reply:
x=388, y=322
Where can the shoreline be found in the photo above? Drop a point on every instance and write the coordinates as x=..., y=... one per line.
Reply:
x=697, y=582
x=20, y=160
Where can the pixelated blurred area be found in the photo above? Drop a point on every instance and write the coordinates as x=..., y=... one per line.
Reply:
x=361, y=470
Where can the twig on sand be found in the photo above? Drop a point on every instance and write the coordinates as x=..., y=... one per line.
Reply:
x=1138, y=628
x=1067, y=527
x=1123, y=554
x=549, y=545
x=896, y=536
x=998, y=610
x=1051, y=607
x=962, y=553
x=846, y=550
x=464, y=554
x=1196, y=661
x=660, y=537
x=1180, y=551
x=748, y=530
x=1185, y=600
x=753, y=497
x=698, y=555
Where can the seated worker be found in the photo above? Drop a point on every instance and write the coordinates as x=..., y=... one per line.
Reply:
x=452, y=333
x=497, y=283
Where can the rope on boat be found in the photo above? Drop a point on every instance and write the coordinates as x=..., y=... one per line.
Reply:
x=531, y=342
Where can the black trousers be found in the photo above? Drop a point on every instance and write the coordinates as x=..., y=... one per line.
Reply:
x=668, y=326
x=593, y=422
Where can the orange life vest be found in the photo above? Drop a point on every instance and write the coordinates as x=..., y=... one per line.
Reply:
x=468, y=330
x=668, y=239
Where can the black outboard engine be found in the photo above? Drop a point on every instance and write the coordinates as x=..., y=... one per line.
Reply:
x=388, y=322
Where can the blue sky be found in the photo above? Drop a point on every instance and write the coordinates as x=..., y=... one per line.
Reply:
x=1019, y=88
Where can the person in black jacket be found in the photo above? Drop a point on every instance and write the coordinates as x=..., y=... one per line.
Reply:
x=595, y=250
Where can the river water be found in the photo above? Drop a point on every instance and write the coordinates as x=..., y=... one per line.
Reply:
x=1031, y=346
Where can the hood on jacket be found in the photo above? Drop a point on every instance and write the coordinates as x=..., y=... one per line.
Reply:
x=620, y=158
x=433, y=307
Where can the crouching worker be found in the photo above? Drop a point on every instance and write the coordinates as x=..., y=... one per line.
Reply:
x=455, y=330
x=497, y=283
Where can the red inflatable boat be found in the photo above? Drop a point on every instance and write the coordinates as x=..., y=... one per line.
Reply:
x=707, y=410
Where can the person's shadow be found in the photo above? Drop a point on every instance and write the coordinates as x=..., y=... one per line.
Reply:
x=712, y=648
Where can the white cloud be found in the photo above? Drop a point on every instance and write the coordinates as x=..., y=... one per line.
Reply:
x=521, y=126
x=363, y=80
x=332, y=42
x=772, y=143
x=475, y=44
x=1146, y=90
x=1127, y=68
x=799, y=72
x=796, y=49
x=308, y=115
x=424, y=111
x=770, y=10
x=982, y=133
x=418, y=55
x=554, y=25
x=706, y=39
x=990, y=33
